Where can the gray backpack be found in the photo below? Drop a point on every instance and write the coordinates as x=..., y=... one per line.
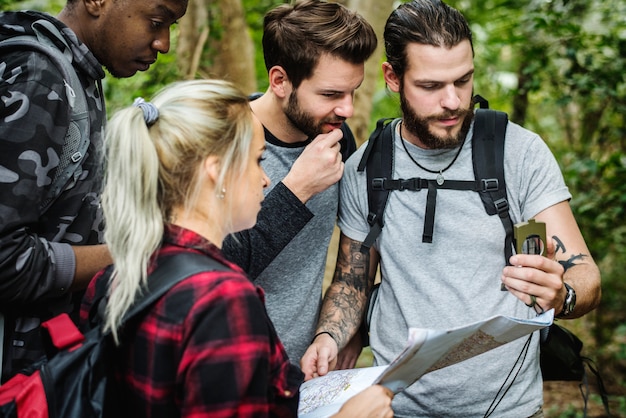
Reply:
x=77, y=136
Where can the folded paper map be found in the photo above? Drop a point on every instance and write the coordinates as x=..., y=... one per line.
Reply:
x=426, y=350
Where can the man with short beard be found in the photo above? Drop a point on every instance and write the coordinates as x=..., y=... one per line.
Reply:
x=453, y=276
x=314, y=54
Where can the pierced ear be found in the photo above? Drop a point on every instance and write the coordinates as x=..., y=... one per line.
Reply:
x=392, y=80
x=211, y=167
x=279, y=82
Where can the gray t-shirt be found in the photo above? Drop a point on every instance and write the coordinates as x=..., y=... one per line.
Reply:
x=456, y=279
x=293, y=280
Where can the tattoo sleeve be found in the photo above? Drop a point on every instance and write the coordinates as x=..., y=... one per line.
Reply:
x=345, y=299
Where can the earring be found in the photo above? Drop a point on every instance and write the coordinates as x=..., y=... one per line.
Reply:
x=221, y=194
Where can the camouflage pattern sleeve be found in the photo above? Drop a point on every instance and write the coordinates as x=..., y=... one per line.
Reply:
x=33, y=120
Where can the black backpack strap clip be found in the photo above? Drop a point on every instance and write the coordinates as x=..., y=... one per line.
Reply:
x=384, y=184
x=481, y=101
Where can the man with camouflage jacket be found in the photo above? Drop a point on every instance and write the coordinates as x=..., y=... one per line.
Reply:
x=48, y=253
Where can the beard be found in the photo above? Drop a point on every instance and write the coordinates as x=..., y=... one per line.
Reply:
x=303, y=121
x=419, y=126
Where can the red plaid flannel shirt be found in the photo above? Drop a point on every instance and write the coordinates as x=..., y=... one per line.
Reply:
x=207, y=348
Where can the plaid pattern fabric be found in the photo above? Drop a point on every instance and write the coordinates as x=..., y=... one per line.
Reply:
x=207, y=348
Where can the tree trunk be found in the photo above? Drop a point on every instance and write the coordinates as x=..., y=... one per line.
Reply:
x=233, y=46
x=192, y=37
x=214, y=42
x=376, y=13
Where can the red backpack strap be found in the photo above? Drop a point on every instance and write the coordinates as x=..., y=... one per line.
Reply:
x=63, y=332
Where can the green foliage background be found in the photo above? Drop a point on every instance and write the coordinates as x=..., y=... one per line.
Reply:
x=556, y=66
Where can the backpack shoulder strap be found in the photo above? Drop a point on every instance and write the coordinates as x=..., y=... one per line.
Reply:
x=170, y=271
x=77, y=136
x=347, y=142
x=488, y=159
x=378, y=159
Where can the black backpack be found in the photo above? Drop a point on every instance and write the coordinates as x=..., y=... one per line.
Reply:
x=488, y=161
x=561, y=357
x=73, y=382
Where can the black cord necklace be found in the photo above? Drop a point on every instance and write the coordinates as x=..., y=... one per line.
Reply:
x=440, y=179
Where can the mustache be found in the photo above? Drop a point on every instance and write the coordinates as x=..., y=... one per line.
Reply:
x=337, y=119
x=449, y=114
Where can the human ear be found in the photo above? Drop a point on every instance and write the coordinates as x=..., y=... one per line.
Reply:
x=392, y=80
x=94, y=7
x=211, y=168
x=279, y=82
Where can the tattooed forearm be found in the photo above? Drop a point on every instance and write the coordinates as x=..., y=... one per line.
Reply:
x=572, y=261
x=559, y=245
x=341, y=313
x=353, y=266
x=345, y=299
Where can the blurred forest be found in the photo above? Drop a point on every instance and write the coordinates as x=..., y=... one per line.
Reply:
x=558, y=67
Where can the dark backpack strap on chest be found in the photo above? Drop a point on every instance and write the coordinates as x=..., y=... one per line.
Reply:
x=378, y=158
x=488, y=160
x=170, y=271
x=77, y=137
x=347, y=142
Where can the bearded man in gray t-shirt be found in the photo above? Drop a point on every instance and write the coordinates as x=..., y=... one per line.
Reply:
x=455, y=279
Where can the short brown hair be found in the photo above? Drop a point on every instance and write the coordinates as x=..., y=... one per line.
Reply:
x=295, y=36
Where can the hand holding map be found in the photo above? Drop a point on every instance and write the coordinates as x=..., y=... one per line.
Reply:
x=426, y=350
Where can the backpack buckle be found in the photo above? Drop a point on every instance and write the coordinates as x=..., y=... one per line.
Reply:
x=490, y=185
x=378, y=183
x=413, y=184
x=371, y=218
x=502, y=205
x=76, y=157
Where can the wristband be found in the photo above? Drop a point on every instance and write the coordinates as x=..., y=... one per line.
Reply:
x=324, y=332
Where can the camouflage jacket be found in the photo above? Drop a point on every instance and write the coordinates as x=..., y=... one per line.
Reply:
x=36, y=260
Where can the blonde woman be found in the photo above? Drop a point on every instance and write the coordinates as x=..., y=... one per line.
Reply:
x=183, y=172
